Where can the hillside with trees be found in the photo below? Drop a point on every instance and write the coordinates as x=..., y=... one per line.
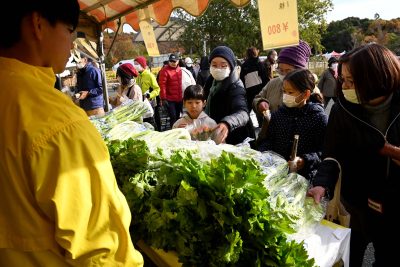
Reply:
x=351, y=32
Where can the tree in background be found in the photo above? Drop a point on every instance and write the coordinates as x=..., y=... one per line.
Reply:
x=239, y=28
x=312, y=22
x=344, y=35
x=385, y=32
x=123, y=48
x=221, y=23
x=352, y=32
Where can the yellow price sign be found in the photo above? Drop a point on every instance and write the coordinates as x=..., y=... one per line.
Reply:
x=149, y=37
x=279, y=23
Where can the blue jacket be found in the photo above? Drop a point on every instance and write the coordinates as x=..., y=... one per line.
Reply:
x=89, y=79
x=309, y=122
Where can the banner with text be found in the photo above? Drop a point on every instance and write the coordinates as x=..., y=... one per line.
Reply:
x=279, y=23
x=149, y=38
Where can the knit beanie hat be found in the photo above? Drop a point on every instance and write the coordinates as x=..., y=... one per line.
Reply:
x=142, y=61
x=226, y=53
x=127, y=70
x=296, y=56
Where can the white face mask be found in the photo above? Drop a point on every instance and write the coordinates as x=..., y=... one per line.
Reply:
x=290, y=101
x=138, y=67
x=351, y=96
x=219, y=74
x=334, y=66
x=80, y=65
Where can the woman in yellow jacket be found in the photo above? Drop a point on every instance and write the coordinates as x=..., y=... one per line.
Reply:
x=59, y=201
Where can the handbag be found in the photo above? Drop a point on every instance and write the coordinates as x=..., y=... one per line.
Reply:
x=335, y=210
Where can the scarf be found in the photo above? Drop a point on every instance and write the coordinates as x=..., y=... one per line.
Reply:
x=215, y=87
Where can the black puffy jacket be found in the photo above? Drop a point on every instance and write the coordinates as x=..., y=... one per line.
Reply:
x=231, y=108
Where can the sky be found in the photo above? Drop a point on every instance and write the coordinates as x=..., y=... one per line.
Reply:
x=387, y=9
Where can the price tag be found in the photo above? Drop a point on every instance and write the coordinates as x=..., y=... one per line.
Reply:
x=279, y=23
x=149, y=37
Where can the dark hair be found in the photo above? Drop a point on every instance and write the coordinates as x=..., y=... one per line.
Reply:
x=66, y=11
x=252, y=52
x=204, y=64
x=125, y=79
x=270, y=52
x=332, y=60
x=194, y=92
x=181, y=63
x=375, y=71
x=304, y=80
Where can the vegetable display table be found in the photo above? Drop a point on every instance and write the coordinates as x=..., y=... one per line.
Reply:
x=328, y=244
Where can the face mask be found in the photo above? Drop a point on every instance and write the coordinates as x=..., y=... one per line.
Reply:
x=334, y=66
x=351, y=96
x=80, y=65
x=138, y=67
x=189, y=65
x=219, y=74
x=281, y=76
x=275, y=58
x=290, y=101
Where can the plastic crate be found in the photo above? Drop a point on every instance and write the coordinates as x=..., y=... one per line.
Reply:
x=162, y=119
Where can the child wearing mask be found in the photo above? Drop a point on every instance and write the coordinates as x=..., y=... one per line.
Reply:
x=298, y=116
x=195, y=119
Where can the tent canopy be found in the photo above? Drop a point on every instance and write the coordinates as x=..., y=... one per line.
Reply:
x=106, y=12
x=97, y=15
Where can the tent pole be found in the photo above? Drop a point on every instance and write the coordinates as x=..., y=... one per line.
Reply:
x=103, y=71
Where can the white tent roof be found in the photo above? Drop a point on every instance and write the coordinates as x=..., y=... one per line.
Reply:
x=115, y=67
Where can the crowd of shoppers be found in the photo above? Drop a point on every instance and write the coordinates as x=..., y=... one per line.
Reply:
x=53, y=159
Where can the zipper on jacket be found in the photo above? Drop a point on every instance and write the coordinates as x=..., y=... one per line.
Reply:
x=373, y=127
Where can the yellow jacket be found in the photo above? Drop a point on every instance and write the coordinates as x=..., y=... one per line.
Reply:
x=59, y=201
x=147, y=80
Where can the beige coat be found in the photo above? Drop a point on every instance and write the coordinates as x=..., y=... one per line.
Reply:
x=272, y=93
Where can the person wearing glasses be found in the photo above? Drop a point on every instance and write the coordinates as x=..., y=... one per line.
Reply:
x=363, y=140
